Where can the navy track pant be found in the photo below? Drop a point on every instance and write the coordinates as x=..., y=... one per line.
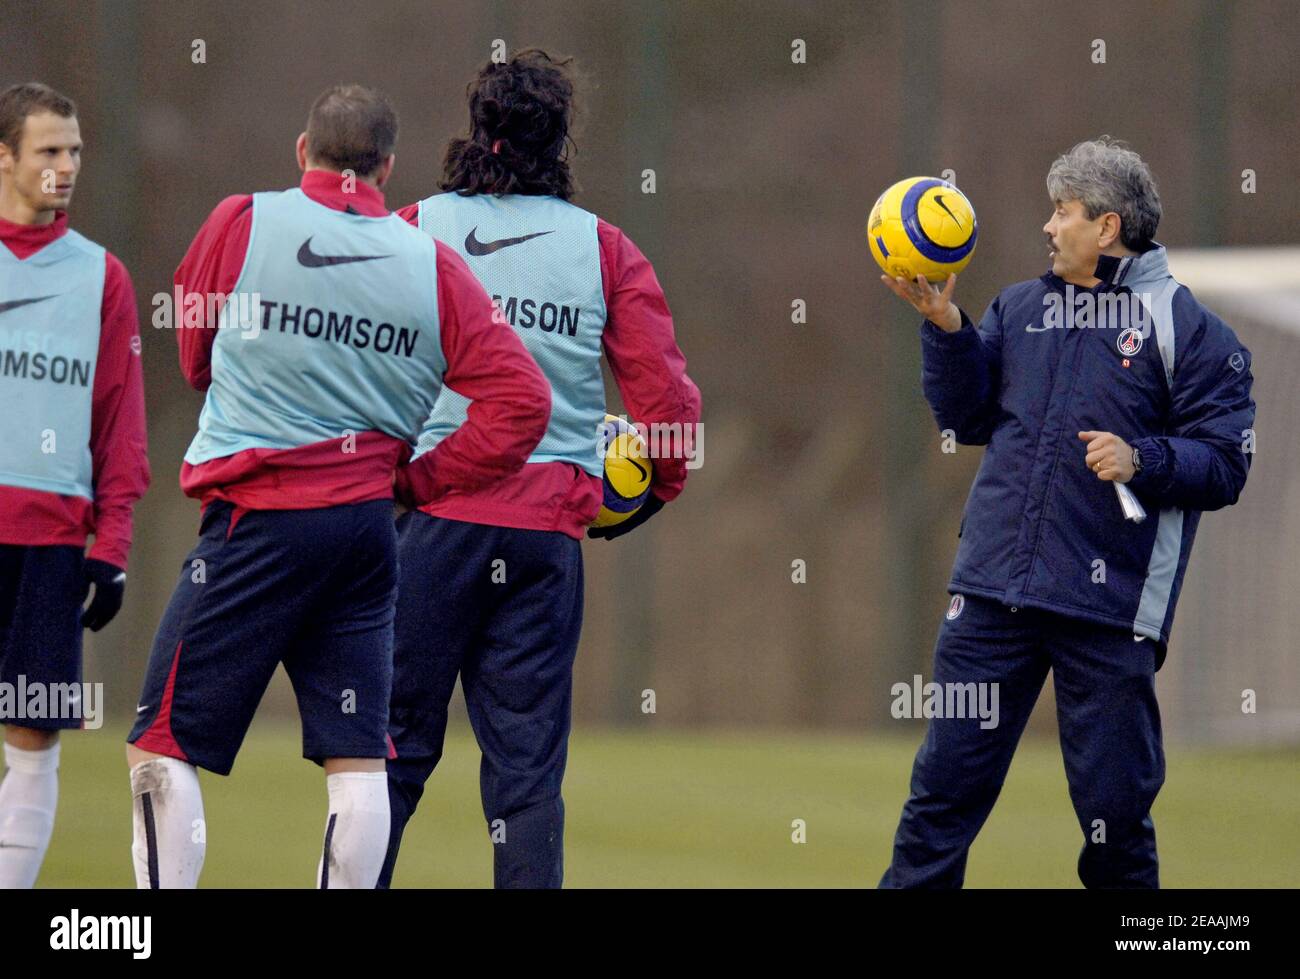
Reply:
x=1110, y=739
x=501, y=607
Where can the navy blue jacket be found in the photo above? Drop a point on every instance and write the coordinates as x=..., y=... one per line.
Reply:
x=1163, y=373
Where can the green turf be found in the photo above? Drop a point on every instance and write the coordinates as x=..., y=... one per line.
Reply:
x=699, y=809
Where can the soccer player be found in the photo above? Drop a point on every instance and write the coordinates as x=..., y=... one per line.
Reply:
x=73, y=457
x=1049, y=572
x=317, y=387
x=573, y=286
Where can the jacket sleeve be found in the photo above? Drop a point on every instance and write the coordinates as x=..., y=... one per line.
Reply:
x=211, y=266
x=118, y=443
x=1203, y=462
x=647, y=364
x=509, y=397
x=961, y=375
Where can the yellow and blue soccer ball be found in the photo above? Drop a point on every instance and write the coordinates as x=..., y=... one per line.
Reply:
x=627, y=472
x=922, y=226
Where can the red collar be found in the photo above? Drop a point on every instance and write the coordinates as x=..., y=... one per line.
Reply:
x=326, y=187
x=25, y=240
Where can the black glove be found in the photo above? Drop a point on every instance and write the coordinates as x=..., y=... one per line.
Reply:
x=110, y=585
x=649, y=508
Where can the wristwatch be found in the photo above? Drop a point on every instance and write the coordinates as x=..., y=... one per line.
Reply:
x=1137, y=461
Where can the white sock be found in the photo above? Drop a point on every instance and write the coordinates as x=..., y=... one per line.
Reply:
x=28, y=797
x=356, y=833
x=169, y=834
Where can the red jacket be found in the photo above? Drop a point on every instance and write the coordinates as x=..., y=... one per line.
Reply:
x=650, y=371
x=486, y=363
x=118, y=445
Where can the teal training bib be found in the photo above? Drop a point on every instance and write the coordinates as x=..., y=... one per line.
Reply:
x=333, y=331
x=50, y=315
x=539, y=259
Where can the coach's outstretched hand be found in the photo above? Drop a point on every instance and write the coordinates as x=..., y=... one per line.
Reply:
x=649, y=508
x=110, y=586
x=934, y=305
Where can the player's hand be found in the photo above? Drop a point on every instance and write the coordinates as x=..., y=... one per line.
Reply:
x=110, y=587
x=1109, y=456
x=649, y=508
x=934, y=305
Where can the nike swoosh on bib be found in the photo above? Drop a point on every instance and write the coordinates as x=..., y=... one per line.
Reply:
x=309, y=259
x=476, y=247
x=15, y=303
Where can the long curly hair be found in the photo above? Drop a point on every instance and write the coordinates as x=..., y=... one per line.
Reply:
x=520, y=111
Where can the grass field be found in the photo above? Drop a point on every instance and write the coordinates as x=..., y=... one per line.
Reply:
x=694, y=810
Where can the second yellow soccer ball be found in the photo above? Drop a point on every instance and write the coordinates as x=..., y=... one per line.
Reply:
x=628, y=472
x=922, y=226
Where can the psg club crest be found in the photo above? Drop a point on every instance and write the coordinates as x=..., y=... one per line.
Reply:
x=1130, y=341
x=955, y=606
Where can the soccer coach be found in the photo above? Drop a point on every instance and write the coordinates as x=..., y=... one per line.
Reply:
x=1049, y=573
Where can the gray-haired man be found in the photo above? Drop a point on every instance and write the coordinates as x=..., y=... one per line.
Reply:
x=1103, y=370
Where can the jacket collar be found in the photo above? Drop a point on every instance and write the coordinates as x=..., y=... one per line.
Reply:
x=352, y=195
x=25, y=240
x=1123, y=271
x=1151, y=265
